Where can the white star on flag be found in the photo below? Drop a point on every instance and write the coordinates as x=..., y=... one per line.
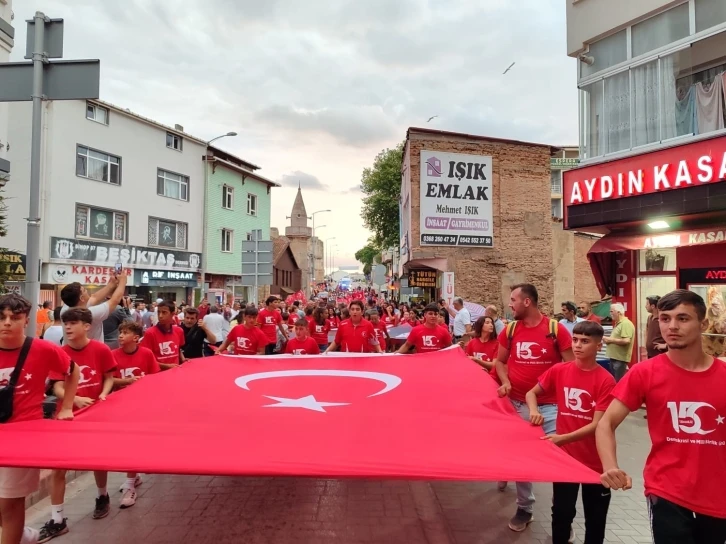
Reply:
x=28, y=376
x=719, y=420
x=309, y=403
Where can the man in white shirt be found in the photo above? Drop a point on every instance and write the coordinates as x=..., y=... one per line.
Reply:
x=569, y=310
x=462, y=318
x=217, y=325
x=75, y=295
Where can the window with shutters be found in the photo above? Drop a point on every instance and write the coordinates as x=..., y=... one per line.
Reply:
x=166, y=233
x=172, y=185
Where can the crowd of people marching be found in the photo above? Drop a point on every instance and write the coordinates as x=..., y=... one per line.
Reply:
x=98, y=343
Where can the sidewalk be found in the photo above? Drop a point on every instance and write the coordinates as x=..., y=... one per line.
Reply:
x=206, y=509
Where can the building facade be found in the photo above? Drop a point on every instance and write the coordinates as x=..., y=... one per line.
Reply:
x=309, y=250
x=286, y=273
x=562, y=159
x=490, y=197
x=652, y=86
x=7, y=36
x=239, y=201
x=115, y=188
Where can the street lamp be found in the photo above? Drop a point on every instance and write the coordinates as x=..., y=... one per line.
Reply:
x=312, y=216
x=326, y=253
x=204, y=212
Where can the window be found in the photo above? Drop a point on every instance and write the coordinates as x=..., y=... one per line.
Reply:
x=557, y=208
x=709, y=13
x=97, y=113
x=166, y=233
x=173, y=141
x=667, y=27
x=556, y=181
x=100, y=223
x=172, y=185
x=251, y=204
x=227, y=197
x=98, y=165
x=227, y=244
x=606, y=53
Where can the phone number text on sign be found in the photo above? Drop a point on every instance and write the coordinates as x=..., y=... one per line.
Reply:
x=456, y=240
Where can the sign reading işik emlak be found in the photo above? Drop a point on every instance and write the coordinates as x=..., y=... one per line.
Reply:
x=456, y=205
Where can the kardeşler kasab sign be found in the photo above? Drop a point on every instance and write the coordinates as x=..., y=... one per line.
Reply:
x=456, y=205
x=100, y=253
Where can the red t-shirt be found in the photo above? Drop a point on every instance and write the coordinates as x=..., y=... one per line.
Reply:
x=532, y=353
x=94, y=360
x=359, y=338
x=164, y=345
x=319, y=333
x=44, y=360
x=333, y=322
x=486, y=351
x=580, y=393
x=595, y=318
x=291, y=318
x=139, y=363
x=380, y=329
x=686, y=411
x=389, y=320
x=269, y=320
x=426, y=339
x=247, y=340
x=309, y=346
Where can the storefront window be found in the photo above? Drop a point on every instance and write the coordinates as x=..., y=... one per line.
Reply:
x=649, y=286
x=658, y=260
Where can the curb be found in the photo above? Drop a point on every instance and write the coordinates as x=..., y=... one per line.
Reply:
x=43, y=490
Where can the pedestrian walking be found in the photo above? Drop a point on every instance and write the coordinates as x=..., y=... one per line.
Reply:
x=620, y=342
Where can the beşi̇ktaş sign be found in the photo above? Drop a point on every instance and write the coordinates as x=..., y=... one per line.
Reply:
x=679, y=167
x=456, y=193
x=65, y=249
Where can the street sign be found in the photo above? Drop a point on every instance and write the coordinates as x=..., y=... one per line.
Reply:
x=62, y=80
x=256, y=262
x=263, y=248
x=52, y=39
x=248, y=269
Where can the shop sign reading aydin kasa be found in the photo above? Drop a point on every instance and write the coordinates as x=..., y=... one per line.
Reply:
x=68, y=250
x=456, y=206
x=690, y=165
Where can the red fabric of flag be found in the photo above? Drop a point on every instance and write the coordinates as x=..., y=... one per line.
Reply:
x=428, y=416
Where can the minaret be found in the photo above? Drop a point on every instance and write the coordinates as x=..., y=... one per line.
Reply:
x=298, y=219
x=300, y=236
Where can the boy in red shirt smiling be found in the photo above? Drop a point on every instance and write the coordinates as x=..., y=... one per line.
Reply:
x=302, y=343
x=165, y=339
x=247, y=338
x=42, y=359
x=96, y=368
x=685, y=473
x=583, y=390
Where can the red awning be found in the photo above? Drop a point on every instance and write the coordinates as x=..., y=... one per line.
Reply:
x=602, y=253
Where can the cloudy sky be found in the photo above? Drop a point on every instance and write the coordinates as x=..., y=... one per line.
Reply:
x=316, y=89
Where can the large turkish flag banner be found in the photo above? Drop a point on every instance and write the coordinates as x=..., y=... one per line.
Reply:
x=429, y=416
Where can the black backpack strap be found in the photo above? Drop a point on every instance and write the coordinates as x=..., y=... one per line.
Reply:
x=15, y=376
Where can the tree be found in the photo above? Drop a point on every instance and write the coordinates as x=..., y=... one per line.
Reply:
x=366, y=256
x=381, y=184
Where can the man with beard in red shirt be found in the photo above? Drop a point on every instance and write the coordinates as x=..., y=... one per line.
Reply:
x=41, y=359
x=685, y=473
x=270, y=321
x=355, y=335
x=430, y=336
x=529, y=347
x=583, y=390
x=96, y=368
x=247, y=338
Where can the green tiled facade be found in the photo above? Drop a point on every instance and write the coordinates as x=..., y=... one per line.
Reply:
x=237, y=219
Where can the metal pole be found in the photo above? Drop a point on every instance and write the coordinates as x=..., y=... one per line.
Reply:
x=32, y=273
x=204, y=222
x=257, y=259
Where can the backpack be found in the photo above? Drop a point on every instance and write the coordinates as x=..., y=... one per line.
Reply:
x=553, y=332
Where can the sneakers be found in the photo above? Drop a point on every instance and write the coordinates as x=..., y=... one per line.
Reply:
x=52, y=529
x=520, y=520
x=501, y=486
x=129, y=498
x=103, y=507
x=137, y=483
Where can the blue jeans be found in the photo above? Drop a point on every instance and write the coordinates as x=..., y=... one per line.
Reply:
x=525, y=495
x=618, y=369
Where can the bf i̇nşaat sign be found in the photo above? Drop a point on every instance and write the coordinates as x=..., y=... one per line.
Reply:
x=456, y=206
